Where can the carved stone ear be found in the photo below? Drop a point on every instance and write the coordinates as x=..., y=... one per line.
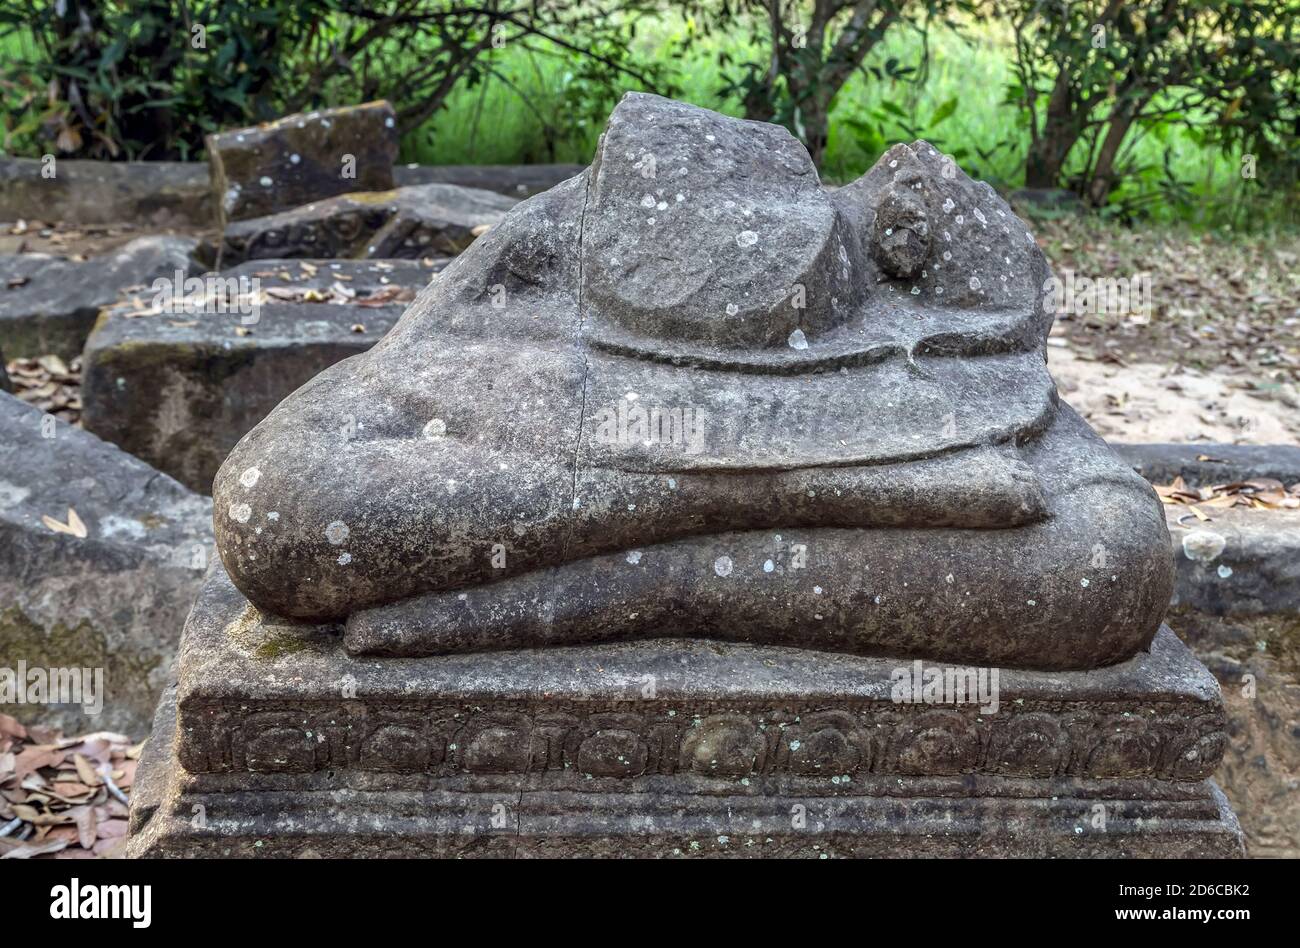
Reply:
x=900, y=238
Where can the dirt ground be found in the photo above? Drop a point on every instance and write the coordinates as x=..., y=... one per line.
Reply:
x=1153, y=401
x=1213, y=356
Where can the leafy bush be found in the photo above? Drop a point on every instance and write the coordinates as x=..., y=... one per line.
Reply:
x=143, y=79
x=1093, y=76
x=147, y=79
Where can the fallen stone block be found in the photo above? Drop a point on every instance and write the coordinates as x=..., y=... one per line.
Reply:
x=1241, y=562
x=175, y=193
x=404, y=223
x=100, y=559
x=180, y=389
x=1237, y=604
x=517, y=181
x=1200, y=465
x=180, y=193
x=302, y=158
x=49, y=304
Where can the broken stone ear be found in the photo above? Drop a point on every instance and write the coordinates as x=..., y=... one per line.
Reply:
x=900, y=237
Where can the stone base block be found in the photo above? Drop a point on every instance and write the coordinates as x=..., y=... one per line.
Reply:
x=274, y=741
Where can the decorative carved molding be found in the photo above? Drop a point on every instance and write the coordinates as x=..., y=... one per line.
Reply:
x=1174, y=741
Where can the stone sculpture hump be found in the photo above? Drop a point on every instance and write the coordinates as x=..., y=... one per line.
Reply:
x=692, y=393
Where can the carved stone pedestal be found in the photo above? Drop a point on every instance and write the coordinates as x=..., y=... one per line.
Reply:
x=275, y=742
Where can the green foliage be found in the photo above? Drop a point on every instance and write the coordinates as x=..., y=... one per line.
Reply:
x=1093, y=77
x=143, y=79
x=150, y=78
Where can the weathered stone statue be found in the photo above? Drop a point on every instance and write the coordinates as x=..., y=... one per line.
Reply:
x=636, y=397
x=654, y=491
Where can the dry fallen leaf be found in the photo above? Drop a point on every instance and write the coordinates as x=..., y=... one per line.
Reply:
x=53, y=364
x=9, y=726
x=39, y=849
x=87, y=826
x=71, y=791
x=74, y=526
x=86, y=771
x=1262, y=493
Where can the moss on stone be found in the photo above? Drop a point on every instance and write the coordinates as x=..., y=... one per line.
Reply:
x=371, y=197
x=126, y=672
x=277, y=646
x=256, y=639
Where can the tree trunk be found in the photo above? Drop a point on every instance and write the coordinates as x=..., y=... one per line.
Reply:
x=1045, y=160
x=816, y=126
x=1101, y=181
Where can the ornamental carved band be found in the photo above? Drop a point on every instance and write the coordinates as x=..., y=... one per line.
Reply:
x=1095, y=741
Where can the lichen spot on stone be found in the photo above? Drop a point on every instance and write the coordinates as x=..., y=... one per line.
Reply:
x=337, y=532
x=345, y=559
x=746, y=238
x=798, y=340
x=11, y=495
x=250, y=477
x=240, y=512
x=722, y=566
x=1203, y=546
x=435, y=429
x=634, y=557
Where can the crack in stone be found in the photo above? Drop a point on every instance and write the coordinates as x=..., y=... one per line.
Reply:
x=586, y=367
